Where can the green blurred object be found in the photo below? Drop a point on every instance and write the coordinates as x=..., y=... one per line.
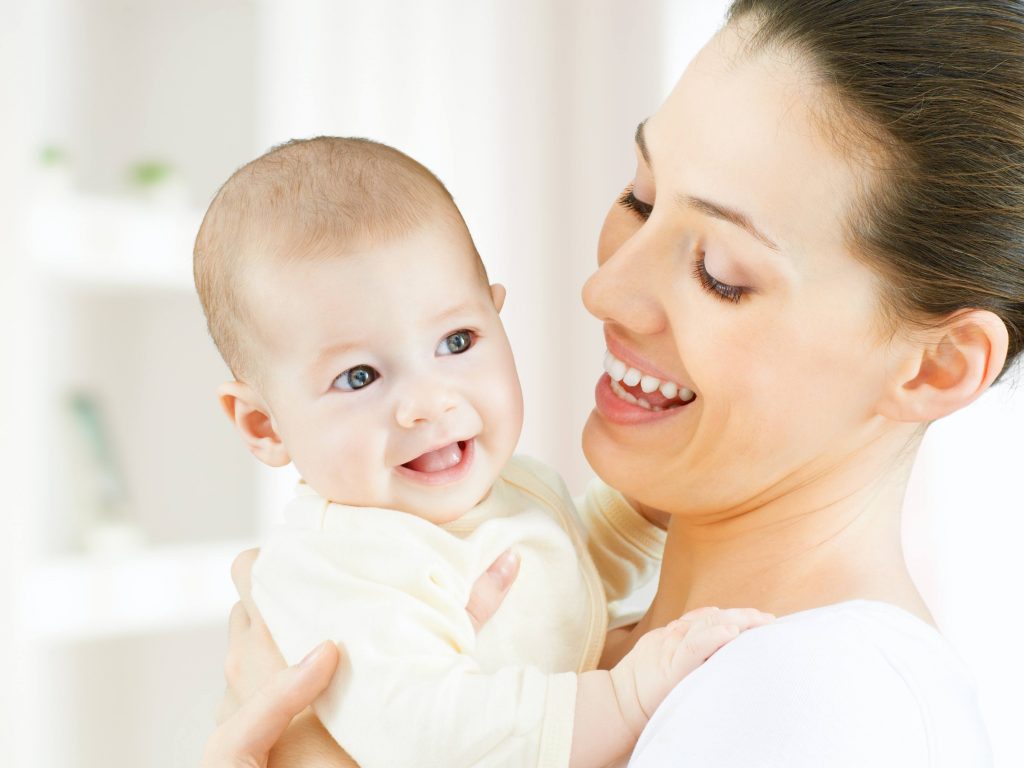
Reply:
x=52, y=155
x=110, y=489
x=151, y=173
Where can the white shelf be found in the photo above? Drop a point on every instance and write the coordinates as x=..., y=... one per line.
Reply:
x=145, y=591
x=113, y=242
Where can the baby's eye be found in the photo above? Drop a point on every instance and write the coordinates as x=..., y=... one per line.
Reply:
x=356, y=377
x=455, y=343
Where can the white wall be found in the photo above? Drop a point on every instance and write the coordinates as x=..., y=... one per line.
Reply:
x=526, y=110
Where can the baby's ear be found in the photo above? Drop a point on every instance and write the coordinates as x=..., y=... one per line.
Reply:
x=498, y=295
x=952, y=367
x=251, y=417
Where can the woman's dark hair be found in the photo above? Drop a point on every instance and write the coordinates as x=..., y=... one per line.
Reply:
x=936, y=88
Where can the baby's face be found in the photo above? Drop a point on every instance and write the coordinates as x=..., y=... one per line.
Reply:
x=388, y=374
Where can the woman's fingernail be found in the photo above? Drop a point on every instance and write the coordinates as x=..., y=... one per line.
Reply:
x=313, y=655
x=505, y=567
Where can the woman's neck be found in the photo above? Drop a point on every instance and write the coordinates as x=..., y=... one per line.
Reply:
x=832, y=539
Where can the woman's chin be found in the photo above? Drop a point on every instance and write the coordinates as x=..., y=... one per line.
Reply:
x=620, y=467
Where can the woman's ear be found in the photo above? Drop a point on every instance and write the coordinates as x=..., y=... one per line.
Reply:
x=498, y=295
x=251, y=417
x=958, y=362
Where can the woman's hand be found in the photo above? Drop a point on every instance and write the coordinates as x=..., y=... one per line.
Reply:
x=247, y=736
x=253, y=662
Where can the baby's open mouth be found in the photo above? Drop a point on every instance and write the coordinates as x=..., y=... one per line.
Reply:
x=440, y=459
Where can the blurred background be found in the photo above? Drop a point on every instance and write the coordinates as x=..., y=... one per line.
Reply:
x=127, y=494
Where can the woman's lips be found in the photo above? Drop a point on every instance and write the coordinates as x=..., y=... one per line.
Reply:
x=615, y=409
x=451, y=474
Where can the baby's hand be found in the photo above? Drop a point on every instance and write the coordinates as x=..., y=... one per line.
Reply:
x=663, y=657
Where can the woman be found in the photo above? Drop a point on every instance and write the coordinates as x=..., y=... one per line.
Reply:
x=824, y=240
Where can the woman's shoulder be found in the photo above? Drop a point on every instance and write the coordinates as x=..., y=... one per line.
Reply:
x=856, y=683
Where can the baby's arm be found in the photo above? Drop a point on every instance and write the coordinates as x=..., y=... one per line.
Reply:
x=613, y=706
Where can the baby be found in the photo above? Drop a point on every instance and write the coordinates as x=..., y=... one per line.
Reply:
x=345, y=293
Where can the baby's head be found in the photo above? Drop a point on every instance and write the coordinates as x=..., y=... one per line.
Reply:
x=343, y=289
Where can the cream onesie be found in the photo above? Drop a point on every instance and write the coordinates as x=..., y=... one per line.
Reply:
x=417, y=685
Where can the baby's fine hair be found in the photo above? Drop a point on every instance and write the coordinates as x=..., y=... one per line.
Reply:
x=305, y=199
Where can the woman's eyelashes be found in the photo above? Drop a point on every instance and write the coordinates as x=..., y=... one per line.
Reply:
x=362, y=376
x=630, y=202
x=723, y=291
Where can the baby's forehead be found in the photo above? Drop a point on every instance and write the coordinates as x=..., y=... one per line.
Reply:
x=424, y=274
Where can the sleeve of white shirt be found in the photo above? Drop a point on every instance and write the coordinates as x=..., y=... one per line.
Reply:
x=790, y=695
x=626, y=547
x=407, y=692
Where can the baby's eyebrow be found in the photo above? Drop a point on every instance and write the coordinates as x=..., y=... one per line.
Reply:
x=332, y=351
x=458, y=309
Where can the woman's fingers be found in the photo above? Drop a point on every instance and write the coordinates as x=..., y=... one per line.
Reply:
x=238, y=620
x=241, y=574
x=229, y=704
x=246, y=737
x=490, y=589
x=253, y=657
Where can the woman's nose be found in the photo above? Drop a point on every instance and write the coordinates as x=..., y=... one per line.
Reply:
x=625, y=289
x=424, y=402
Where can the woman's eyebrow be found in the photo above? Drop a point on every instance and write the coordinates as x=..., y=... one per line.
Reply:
x=726, y=214
x=641, y=142
x=705, y=206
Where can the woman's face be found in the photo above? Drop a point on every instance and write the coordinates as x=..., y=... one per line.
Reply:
x=725, y=269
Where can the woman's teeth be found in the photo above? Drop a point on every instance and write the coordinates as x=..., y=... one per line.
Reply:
x=621, y=373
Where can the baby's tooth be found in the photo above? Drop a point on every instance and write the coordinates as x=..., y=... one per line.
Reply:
x=686, y=395
x=648, y=384
x=644, y=403
x=618, y=370
x=608, y=360
x=632, y=377
x=669, y=389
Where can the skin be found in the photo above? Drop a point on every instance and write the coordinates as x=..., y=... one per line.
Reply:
x=361, y=373
x=783, y=479
x=321, y=319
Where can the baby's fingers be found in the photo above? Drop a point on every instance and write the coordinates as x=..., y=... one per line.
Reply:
x=698, y=644
x=744, y=618
x=704, y=631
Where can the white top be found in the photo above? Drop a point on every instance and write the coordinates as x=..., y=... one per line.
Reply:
x=859, y=683
x=392, y=588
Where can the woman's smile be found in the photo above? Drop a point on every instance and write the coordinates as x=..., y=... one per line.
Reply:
x=644, y=389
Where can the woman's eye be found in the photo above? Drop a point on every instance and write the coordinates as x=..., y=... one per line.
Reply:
x=725, y=292
x=455, y=343
x=357, y=377
x=630, y=201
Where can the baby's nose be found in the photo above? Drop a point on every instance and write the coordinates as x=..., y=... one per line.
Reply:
x=424, y=403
